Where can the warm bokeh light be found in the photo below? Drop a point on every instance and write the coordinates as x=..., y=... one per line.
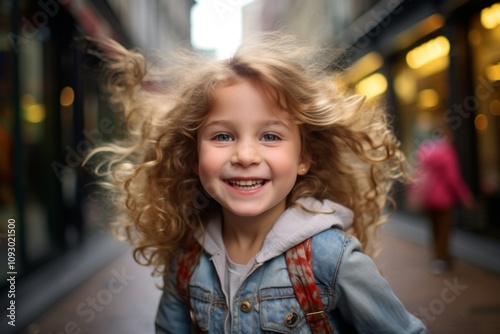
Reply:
x=493, y=72
x=428, y=52
x=364, y=66
x=35, y=113
x=475, y=37
x=67, y=96
x=495, y=107
x=490, y=16
x=374, y=85
x=428, y=98
x=405, y=86
x=481, y=123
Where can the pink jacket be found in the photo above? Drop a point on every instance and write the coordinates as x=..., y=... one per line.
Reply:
x=439, y=182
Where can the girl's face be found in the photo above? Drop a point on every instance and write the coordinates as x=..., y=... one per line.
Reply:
x=249, y=152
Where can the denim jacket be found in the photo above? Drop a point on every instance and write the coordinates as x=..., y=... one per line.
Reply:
x=356, y=298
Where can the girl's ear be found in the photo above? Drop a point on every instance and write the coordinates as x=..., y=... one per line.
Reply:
x=304, y=165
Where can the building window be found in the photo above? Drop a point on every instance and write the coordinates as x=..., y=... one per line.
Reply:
x=484, y=40
x=421, y=91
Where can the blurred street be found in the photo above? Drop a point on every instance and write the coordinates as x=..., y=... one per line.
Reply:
x=464, y=300
x=122, y=298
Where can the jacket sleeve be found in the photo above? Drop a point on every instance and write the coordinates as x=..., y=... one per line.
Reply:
x=365, y=299
x=173, y=314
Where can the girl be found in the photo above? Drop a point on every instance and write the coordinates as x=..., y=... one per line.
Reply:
x=248, y=157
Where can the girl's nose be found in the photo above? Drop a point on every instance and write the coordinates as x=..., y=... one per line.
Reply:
x=246, y=153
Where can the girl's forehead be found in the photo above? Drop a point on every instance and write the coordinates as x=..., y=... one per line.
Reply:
x=247, y=95
x=251, y=90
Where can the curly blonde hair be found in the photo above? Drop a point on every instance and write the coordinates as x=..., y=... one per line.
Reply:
x=354, y=156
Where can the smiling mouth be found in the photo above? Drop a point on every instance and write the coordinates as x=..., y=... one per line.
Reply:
x=246, y=184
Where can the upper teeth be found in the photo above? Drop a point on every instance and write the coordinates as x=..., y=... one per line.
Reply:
x=246, y=182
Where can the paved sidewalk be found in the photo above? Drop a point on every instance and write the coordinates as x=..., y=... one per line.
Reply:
x=122, y=298
x=464, y=300
x=477, y=249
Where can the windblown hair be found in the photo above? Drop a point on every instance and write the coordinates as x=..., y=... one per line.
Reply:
x=354, y=156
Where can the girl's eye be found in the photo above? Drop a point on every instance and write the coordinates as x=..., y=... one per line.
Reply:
x=222, y=137
x=270, y=137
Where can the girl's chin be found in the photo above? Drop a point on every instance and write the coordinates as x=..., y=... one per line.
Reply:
x=251, y=210
x=242, y=213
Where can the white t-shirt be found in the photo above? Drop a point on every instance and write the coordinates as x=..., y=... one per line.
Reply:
x=235, y=274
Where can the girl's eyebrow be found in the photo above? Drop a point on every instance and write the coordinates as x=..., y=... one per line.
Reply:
x=275, y=123
x=218, y=123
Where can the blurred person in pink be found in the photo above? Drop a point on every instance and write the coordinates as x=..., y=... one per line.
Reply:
x=438, y=187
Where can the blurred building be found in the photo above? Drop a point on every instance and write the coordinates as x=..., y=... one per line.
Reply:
x=428, y=60
x=52, y=113
x=155, y=25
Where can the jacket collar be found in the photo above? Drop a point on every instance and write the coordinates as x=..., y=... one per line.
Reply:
x=293, y=227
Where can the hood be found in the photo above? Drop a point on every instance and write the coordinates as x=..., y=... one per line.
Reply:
x=293, y=227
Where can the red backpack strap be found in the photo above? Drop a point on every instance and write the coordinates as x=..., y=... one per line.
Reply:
x=185, y=268
x=299, y=264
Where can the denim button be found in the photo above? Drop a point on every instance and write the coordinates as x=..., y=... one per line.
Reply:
x=245, y=306
x=291, y=319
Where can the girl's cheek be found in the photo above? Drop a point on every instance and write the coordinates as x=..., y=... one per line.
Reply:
x=209, y=186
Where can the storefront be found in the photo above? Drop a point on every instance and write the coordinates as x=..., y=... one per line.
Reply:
x=442, y=64
x=484, y=41
x=45, y=84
